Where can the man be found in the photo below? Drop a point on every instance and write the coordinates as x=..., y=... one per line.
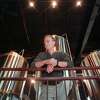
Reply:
x=50, y=59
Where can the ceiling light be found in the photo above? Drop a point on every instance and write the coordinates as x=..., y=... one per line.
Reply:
x=54, y=3
x=32, y=4
x=78, y=3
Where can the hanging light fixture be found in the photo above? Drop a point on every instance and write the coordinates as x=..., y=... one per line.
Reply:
x=32, y=4
x=54, y=3
x=78, y=3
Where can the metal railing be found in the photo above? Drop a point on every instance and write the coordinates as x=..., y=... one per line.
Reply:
x=79, y=82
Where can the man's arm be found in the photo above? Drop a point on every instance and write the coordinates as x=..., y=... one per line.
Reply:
x=62, y=63
x=41, y=63
x=50, y=61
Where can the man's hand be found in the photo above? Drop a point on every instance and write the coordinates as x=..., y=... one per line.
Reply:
x=62, y=64
x=50, y=68
x=52, y=62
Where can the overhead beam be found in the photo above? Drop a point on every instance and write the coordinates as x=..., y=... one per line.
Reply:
x=90, y=26
x=98, y=2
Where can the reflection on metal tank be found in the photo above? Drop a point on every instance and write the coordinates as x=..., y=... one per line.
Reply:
x=12, y=90
x=93, y=86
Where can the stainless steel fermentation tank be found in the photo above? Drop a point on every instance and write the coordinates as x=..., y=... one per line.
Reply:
x=12, y=90
x=93, y=86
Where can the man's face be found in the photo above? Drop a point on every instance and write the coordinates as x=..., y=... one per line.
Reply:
x=49, y=43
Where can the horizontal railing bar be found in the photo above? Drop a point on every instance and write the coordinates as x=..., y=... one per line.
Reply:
x=52, y=78
x=42, y=69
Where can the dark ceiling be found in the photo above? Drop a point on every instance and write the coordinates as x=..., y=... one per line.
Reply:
x=22, y=27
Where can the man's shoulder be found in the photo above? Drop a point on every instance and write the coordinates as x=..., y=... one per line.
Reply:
x=42, y=53
x=60, y=52
x=63, y=54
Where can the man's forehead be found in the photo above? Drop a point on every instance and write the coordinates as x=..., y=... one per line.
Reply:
x=48, y=37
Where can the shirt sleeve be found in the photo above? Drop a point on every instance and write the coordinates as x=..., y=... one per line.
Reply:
x=39, y=57
x=67, y=59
